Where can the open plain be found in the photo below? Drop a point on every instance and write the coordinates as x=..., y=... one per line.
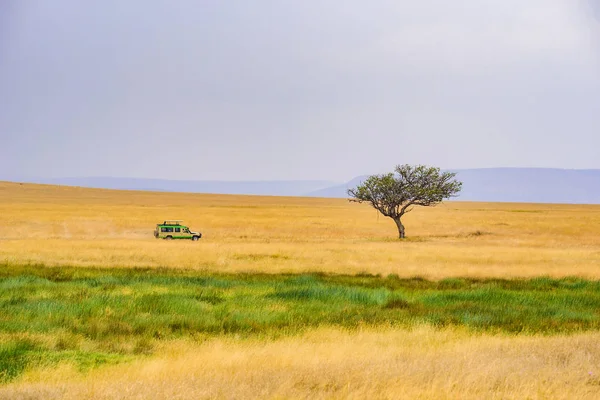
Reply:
x=66, y=226
x=294, y=297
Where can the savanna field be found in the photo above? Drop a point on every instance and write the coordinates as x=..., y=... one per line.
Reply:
x=294, y=298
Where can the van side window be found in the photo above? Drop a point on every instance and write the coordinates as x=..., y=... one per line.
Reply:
x=177, y=229
x=163, y=229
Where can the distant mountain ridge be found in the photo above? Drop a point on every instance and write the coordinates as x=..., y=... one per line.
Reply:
x=265, y=188
x=533, y=185
x=523, y=185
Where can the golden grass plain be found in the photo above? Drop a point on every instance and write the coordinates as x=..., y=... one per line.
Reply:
x=419, y=363
x=58, y=226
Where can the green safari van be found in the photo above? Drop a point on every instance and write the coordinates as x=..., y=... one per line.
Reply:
x=173, y=229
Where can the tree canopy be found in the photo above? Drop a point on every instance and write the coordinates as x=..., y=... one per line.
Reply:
x=394, y=194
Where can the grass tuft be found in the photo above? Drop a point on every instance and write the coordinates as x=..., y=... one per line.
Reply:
x=15, y=356
x=397, y=302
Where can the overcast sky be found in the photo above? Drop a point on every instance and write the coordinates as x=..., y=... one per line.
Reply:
x=253, y=90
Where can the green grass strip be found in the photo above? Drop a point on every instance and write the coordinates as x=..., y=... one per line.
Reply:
x=95, y=316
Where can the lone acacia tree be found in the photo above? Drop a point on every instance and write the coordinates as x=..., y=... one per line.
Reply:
x=395, y=194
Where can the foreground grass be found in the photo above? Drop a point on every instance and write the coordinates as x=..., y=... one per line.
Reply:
x=418, y=363
x=90, y=317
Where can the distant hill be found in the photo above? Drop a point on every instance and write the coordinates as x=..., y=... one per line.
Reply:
x=272, y=188
x=535, y=185
x=338, y=190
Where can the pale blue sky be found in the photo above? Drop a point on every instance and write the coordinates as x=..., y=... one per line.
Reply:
x=250, y=90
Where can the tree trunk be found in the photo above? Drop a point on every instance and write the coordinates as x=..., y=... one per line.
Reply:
x=400, y=228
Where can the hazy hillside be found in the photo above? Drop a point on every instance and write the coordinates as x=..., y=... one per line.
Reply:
x=274, y=188
x=539, y=185
x=338, y=190
x=531, y=185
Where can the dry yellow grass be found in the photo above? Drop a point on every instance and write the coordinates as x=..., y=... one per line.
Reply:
x=418, y=363
x=84, y=227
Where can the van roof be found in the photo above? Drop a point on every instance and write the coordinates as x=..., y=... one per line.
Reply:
x=172, y=222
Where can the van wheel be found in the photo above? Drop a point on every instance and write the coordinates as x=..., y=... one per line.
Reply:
x=195, y=238
x=169, y=238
